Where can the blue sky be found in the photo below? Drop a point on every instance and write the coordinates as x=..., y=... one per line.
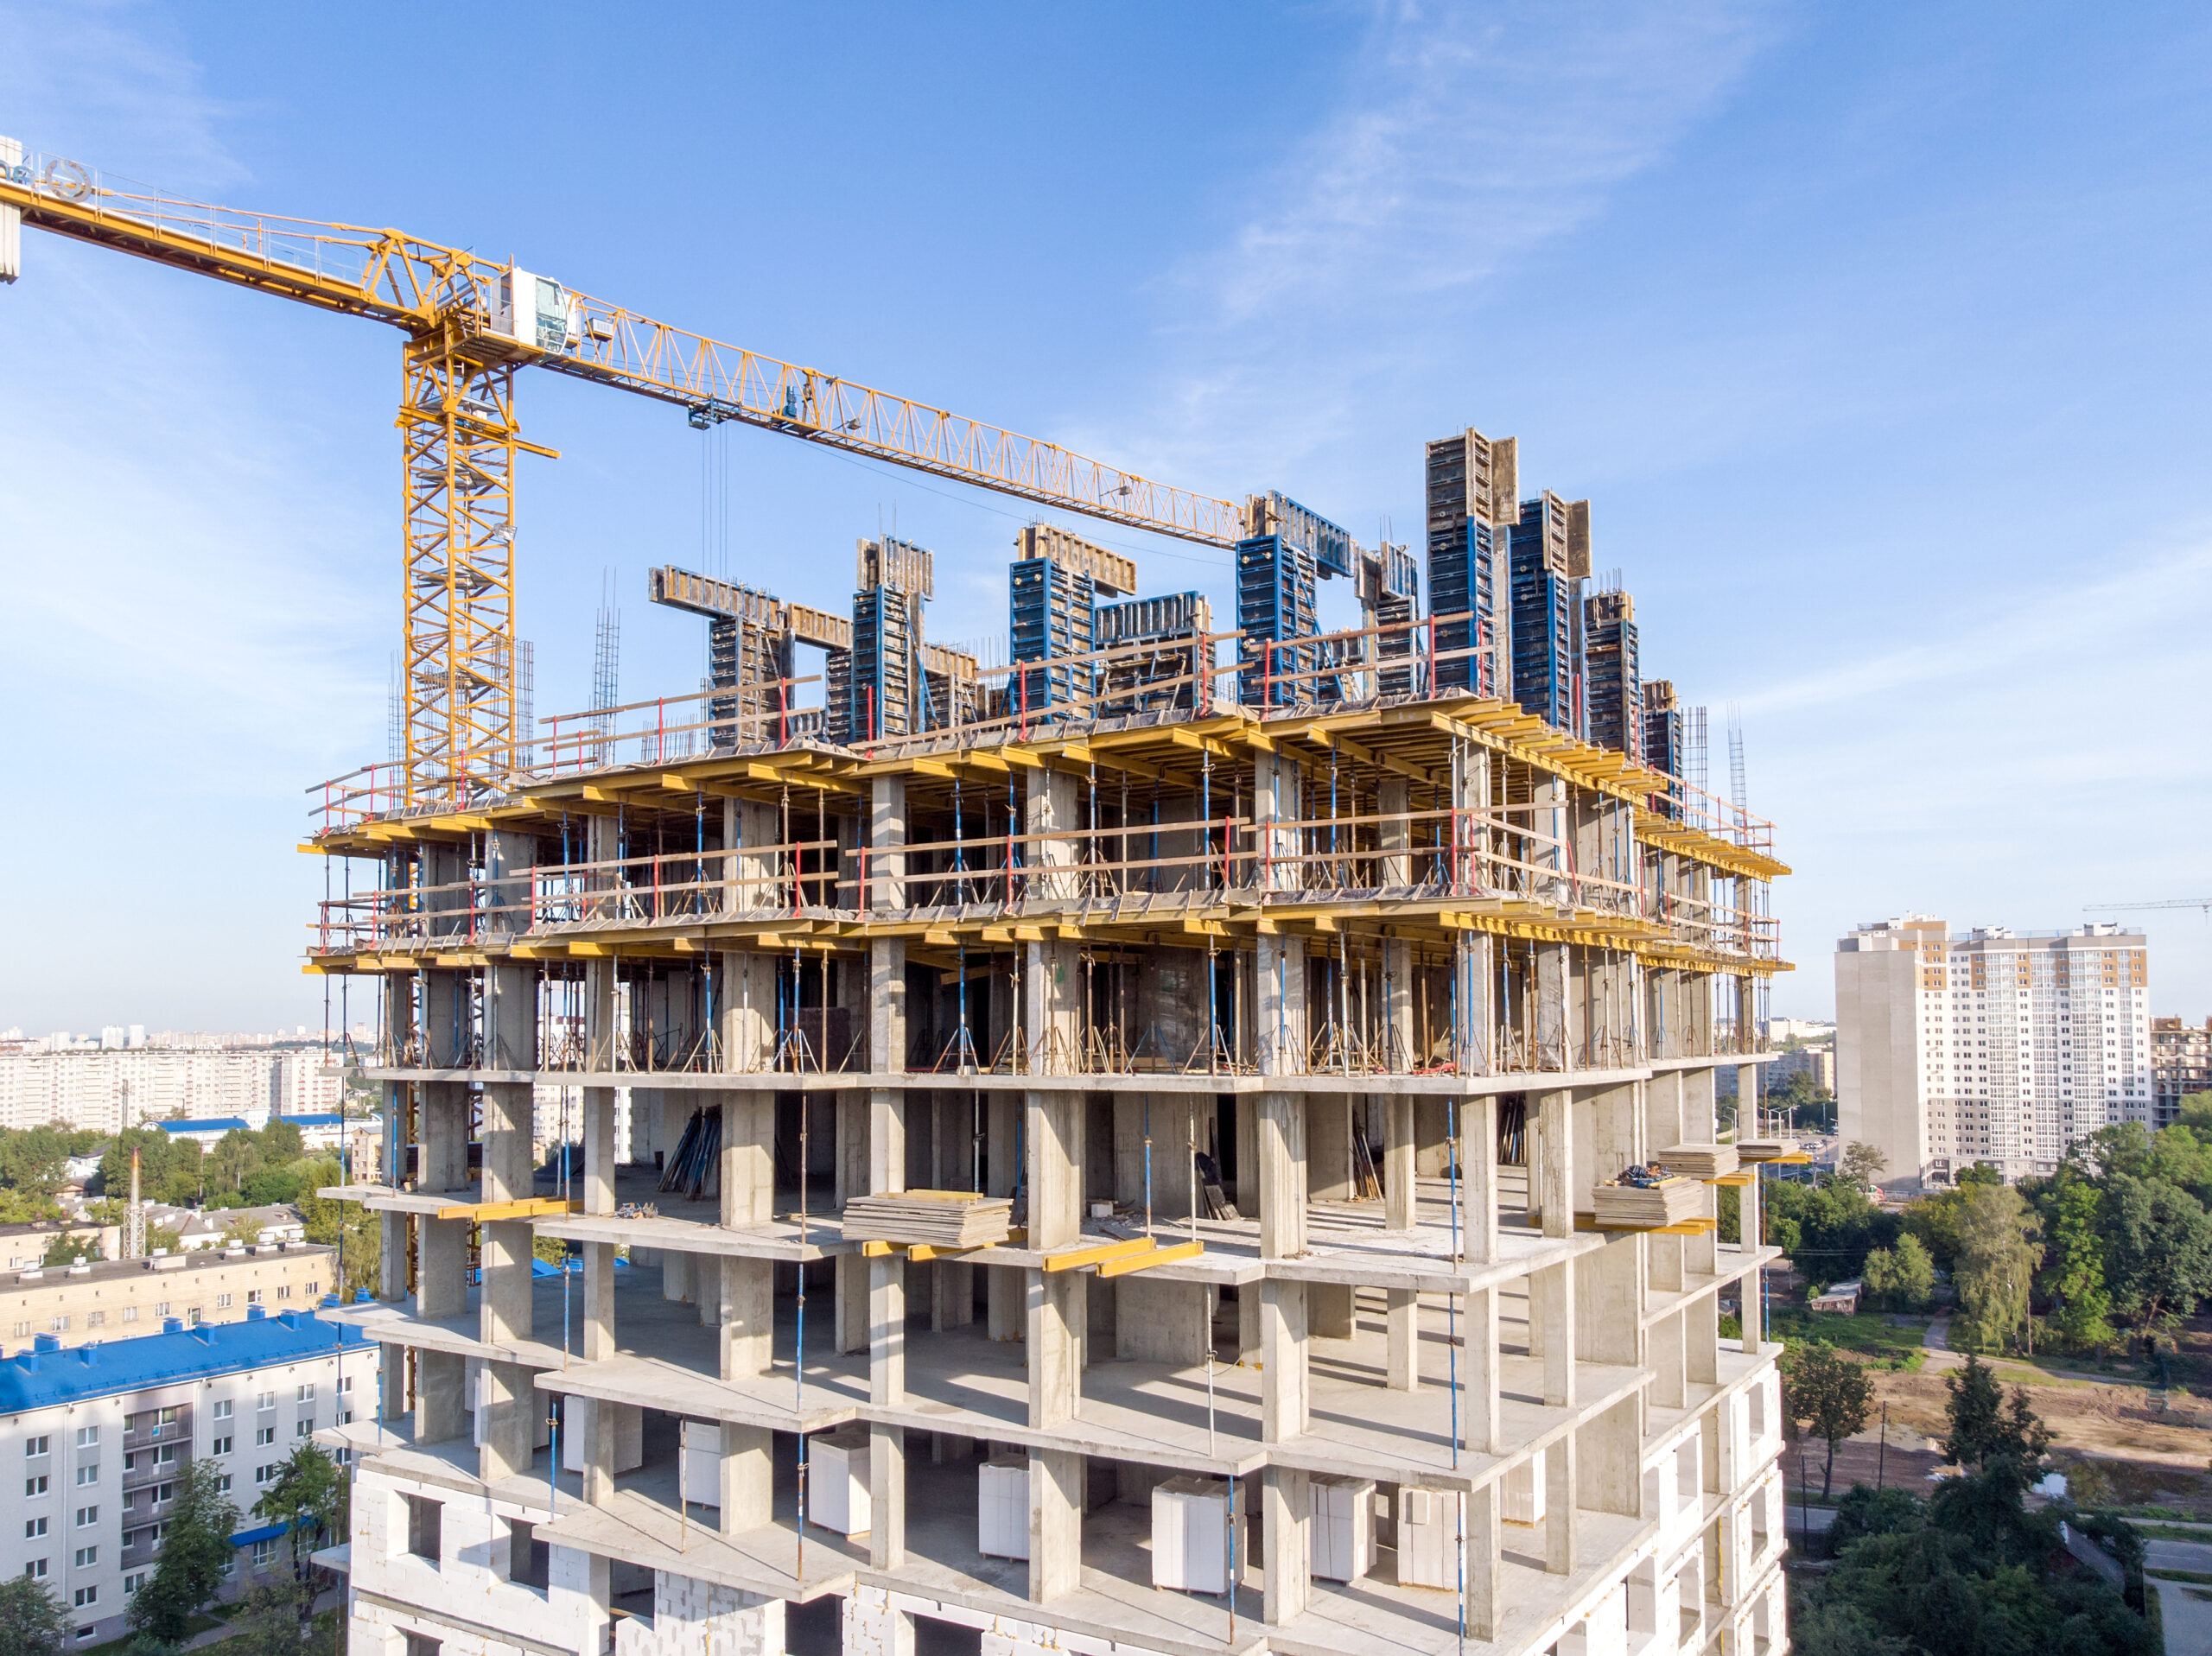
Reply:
x=1875, y=335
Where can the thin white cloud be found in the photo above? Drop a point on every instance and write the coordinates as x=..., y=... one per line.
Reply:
x=1462, y=139
x=82, y=72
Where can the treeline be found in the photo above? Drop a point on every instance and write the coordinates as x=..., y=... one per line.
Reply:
x=2113, y=1249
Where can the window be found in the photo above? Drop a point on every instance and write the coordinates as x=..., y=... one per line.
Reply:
x=32, y=1528
x=284, y=1291
x=88, y=1473
x=263, y=1551
x=22, y=1328
x=425, y=1519
x=88, y=1437
x=88, y=1631
x=131, y=1313
x=35, y=1570
x=303, y=1426
x=87, y=1557
x=344, y=1385
x=313, y=1288
x=264, y=1435
x=60, y=1325
x=222, y=1301
x=87, y=1516
x=220, y=1446
x=223, y=1484
x=164, y=1492
x=34, y=1488
x=253, y=1296
x=96, y=1319
x=418, y=1646
x=307, y=1393
x=526, y=1555
x=222, y=1409
x=87, y=1595
x=265, y=1474
x=266, y=1400
x=35, y=1447
x=160, y=1308
x=133, y=1582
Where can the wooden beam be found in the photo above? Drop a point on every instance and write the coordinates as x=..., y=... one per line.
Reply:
x=1158, y=1256
x=1098, y=1254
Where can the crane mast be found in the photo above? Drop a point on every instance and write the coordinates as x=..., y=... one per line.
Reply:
x=470, y=325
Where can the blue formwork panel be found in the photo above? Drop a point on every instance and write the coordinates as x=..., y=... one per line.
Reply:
x=1275, y=605
x=1461, y=566
x=1546, y=617
x=1050, y=615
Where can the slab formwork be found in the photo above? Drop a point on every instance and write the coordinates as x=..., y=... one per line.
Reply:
x=1300, y=1039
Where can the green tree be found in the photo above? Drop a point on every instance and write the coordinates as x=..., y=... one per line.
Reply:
x=35, y=1160
x=277, y=1618
x=235, y=1155
x=195, y=1550
x=33, y=1622
x=1831, y=1394
x=1983, y=1428
x=1861, y=1164
x=356, y=1233
x=1998, y=1254
x=1828, y=1228
x=1902, y=1278
x=281, y=1142
x=2074, y=1270
x=308, y=1494
x=2157, y=1250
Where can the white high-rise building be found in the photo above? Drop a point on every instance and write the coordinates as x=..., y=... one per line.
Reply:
x=1989, y=1046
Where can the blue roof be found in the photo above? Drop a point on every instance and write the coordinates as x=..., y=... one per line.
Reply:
x=39, y=1380
x=312, y=1120
x=220, y=1124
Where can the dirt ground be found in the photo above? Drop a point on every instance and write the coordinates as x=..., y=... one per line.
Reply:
x=2120, y=1443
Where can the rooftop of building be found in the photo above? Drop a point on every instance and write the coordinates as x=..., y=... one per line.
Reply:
x=50, y=1375
x=100, y=1270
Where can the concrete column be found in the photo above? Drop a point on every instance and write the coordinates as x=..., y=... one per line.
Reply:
x=1055, y=1491
x=1667, y=1389
x=1609, y=1462
x=1609, y=1302
x=1330, y=1306
x=1286, y=1522
x=1751, y=1229
x=1551, y=1329
x=886, y=1488
x=1486, y=1574
x=746, y=1477
x=441, y=1268
x=887, y=1277
x=746, y=1289
x=1479, y=1408
x=440, y=1395
x=391, y=1382
x=1702, y=1339
x=1283, y=1374
x=597, y=1311
x=745, y=998
x=886, y=1004
x=1560, y=1482
x=1478, y=1178
x=598, y=1184
x=852, y=1179
x=1554, y=1175
x=1399, y=1190
x=1004, y=1289
x=506, y=1426
x=1401, y=1321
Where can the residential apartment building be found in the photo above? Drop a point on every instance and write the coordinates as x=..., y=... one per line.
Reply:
x=1816, y=1063
x=99, y=1434
x=2181, y=1063
x=118, y=1299
x=106, y=1089
x=1990, y=1046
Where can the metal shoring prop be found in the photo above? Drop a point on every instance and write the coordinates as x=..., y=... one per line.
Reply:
x=798, y=1349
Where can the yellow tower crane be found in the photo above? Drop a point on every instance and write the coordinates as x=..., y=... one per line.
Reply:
x=470, y=324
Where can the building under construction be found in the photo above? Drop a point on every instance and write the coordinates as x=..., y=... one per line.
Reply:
x=1237, y=1105
x=1124, y=1156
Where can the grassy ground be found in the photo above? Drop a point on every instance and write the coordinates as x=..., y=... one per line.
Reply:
x=1876, y=1335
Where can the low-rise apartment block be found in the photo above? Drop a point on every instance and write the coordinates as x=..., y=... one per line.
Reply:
x=118, y=1299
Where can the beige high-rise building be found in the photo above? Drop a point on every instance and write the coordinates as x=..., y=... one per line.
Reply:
x=1990, y=1046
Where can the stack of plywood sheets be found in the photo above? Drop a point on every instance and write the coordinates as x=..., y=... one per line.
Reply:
x=1650, y=1206
x=936, y=1218
x=1766, y=1150
x=1699, y=1161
